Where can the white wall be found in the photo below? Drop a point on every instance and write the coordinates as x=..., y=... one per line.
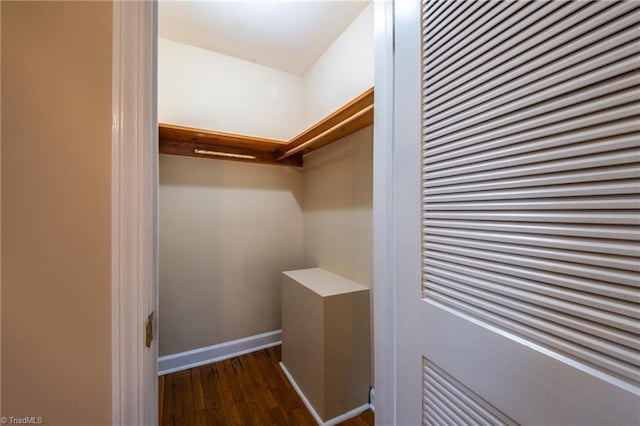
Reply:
x=344, y=71
x=208, y=90
x=227, y=231
x=338, y=200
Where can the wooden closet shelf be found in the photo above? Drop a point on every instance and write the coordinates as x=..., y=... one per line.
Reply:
x=348, y=119
x=180, y=140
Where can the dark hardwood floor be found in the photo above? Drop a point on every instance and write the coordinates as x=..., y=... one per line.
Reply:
x=247, y=390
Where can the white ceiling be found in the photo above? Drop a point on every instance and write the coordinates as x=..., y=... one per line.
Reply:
x=287, y=35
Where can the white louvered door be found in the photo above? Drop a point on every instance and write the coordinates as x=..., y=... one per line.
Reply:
x=517, y=212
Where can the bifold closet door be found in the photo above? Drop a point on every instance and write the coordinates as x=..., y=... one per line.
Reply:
x=522, y=121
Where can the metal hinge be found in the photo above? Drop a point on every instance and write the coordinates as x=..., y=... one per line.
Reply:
x=149, y=330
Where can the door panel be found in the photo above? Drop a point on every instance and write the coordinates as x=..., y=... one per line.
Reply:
x=526, y=381
x=529, y=121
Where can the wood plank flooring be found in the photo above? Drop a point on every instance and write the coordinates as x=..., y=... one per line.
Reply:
x=247, y=390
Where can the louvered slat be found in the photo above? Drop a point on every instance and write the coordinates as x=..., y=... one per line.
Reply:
x=446, y=401
x=507, y=61
x=586, y=291
x=571, y=248
x=572, y=157
x=531, y=176
x=559, y=218
x=609, y=124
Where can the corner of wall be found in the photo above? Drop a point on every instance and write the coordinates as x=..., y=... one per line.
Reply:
x=337, y=216
x=342, y=72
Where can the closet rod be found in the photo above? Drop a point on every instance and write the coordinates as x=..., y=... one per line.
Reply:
x=223, y=154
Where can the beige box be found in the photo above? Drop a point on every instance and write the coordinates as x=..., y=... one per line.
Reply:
x=326, y=339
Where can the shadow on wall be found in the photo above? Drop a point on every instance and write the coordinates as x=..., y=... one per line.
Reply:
x=340, y=176
x=212, y=173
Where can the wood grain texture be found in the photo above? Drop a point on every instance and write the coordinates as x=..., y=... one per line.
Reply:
x=247, y=390
x=353, y=116
x=191, y=134
x=187, y=148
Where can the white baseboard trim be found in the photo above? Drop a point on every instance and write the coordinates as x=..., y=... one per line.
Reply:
x=331, y=422
x=201, y=356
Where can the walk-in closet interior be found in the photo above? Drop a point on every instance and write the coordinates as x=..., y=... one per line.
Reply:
x=265, y=212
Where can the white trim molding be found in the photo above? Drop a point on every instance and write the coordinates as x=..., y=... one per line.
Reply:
x=133, y=185
x=384, y=286
x=331, y=422
x=207, y=355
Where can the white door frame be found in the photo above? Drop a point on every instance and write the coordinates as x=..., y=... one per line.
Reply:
x=384, y=293
x=406, y=188
x=134, y=212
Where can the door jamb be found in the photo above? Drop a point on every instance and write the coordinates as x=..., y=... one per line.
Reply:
x=134, y=255
x=384, y=293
